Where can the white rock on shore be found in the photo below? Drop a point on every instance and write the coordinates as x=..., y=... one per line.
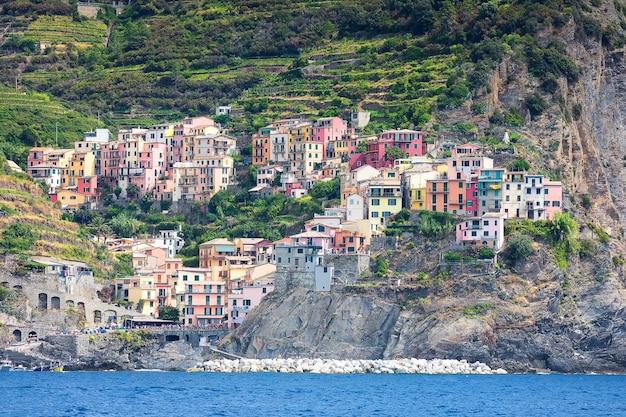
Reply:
x=334, y=366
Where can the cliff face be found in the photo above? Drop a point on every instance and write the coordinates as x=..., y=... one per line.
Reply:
x=538, y=318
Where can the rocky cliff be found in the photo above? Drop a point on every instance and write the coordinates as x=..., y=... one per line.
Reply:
x=536, y=318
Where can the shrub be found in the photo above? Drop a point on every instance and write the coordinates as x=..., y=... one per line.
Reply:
x=486, y=254
x=452, y=256
x=477, y=310
x=519, y=247
x=535, y=104
x=585, y=201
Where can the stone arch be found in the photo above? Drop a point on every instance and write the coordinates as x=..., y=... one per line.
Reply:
x=97, y=316
x=32, y=336
x=81, y=305
x=172, y=337
x=338, y=273
x=17, y=335
x=69, y=303
x=43, y=301
x=55, y=303
x=110, y=316
x=5, y=284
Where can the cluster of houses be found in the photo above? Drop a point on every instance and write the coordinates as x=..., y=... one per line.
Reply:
x=190, y=160
x=379, y=176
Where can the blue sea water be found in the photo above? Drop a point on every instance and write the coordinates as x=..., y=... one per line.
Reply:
x=210, y=394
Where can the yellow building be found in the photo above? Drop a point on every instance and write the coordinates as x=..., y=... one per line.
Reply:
x=414, y=182
x=142, y=294
x=71, y=200
x=384, y=200
x=81, y=164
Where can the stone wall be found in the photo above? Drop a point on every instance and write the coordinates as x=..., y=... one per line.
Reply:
x=348, y=267
x=286, y=280
x=51, y=301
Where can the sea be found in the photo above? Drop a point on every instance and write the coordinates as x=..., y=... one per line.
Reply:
x=273, y=394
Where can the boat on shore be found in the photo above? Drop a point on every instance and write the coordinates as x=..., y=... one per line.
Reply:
x=7, y=366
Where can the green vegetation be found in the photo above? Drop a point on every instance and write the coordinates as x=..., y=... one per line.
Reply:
x=477, y=310
x=434, y=224
x=382, y=266
x=169, y=313
x=519, y=247
x=17, y=238
x=400, y=59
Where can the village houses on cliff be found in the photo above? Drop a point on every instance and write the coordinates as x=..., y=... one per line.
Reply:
x=380, y=175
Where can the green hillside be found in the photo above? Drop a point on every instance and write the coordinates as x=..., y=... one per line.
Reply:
x=407, y=61
x=34, y=119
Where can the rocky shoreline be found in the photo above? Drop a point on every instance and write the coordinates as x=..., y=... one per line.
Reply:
x=333, y=366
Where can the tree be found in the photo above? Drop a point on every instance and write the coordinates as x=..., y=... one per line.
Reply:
x=520, y=247
x=117, y=192
x=169, y=313
x=132, y=191
x=146, y=202
x=392, y=153
x=326, y=190
x=562, y=228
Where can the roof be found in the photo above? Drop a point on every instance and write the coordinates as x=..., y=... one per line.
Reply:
x=312, y=233
x=218, y=241
x=251, y=240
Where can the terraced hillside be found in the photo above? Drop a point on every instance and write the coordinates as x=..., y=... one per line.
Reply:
x=34, y=119
x=30, y=225
x=65, y=30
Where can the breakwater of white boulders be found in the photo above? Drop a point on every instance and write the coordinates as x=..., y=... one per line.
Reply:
x=333, y=366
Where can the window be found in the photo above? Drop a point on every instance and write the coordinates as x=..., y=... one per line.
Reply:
x=207, y=299
x=519, y=198
x=486, y=233
x=375, y=214
x=519, y=187
x=246, y=303
x=375, y=202
x=507, y=198
x=473, y=233
x=485, y=222
x=508, y=186
x=184, y=277
x=545, y=191
x=434, y=186
x=386, y=214
x=264, y=291
x=392, y=201
x=196, y=278
x=556, y=204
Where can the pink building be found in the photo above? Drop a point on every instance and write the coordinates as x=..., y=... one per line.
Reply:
x=486, y=231
x=471, y=196
x=87, y=186
x=247, y=296
x=553, y=198
x=37, y=156
x=152, y=161
x=328, y=131
x=410, y=141
x=468, y=149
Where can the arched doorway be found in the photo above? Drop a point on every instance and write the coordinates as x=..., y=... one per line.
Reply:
x=17, y=335
x=69, y=304
x=55, y=302
x=97, y=316
x=43, y=301
x=81, y=305
x=5, y=284
x=32, y=336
